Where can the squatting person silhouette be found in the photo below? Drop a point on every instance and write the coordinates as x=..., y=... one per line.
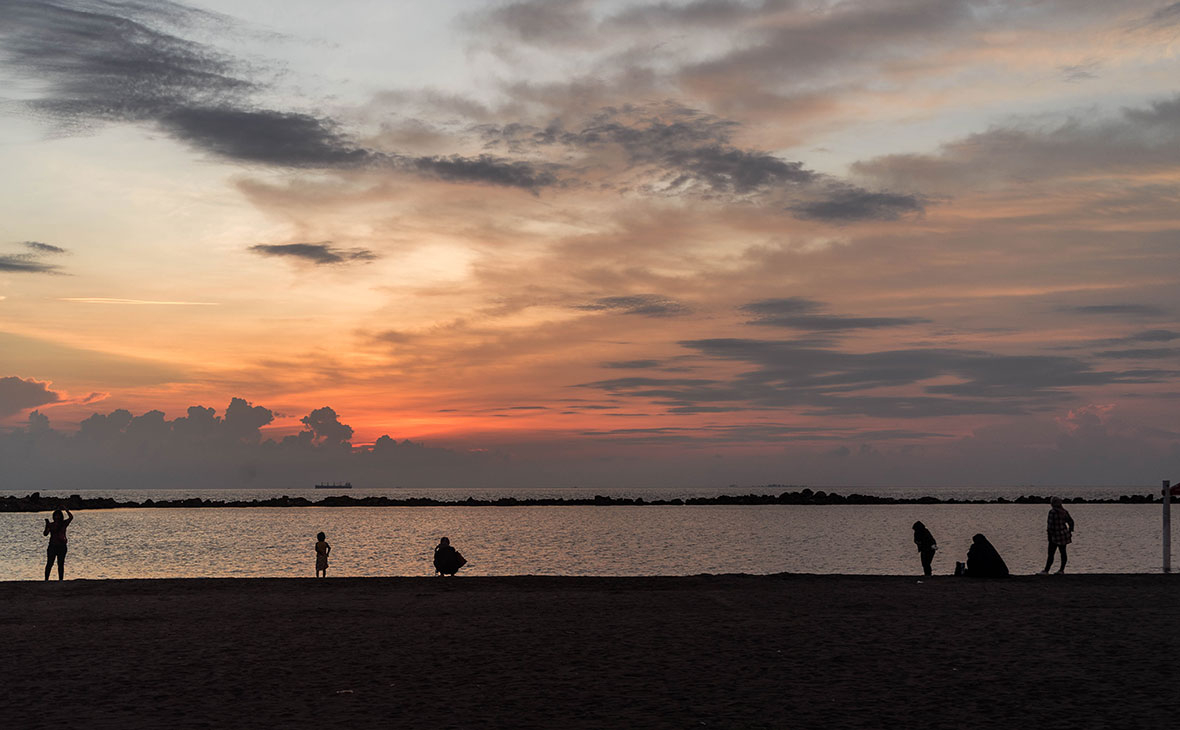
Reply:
x=447, y=559
x=57, y=543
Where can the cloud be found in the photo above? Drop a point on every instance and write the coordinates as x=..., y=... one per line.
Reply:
x=798, y=313
x=1167, y=15
x=1081, y=71
x=632, y=364
x=17, y=394
x=1137, y=141
x=32, y=262
x=537, y=21
x=822, y=381
x=264, y=136
x=683, y=148
x=648, y=305
x=107, y=62
x=848, y=203
x=320, y=254
x=488, y=169
x=1117, y=310
x=326, y=428
x=1159, y=353
x=44, y=248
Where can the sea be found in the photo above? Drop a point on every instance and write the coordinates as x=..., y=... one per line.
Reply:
x=576, y=540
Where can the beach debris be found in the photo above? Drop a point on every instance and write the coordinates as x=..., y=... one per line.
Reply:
x=344, y=692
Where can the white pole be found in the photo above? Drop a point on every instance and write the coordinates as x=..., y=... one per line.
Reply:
x=1167, y=526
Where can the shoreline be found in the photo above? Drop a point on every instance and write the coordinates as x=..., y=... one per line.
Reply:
x=786, y=650
x=34, y=502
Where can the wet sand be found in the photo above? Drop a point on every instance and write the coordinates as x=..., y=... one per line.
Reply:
x=1072, y=651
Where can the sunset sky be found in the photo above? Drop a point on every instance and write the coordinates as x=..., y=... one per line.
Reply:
x=590, y=243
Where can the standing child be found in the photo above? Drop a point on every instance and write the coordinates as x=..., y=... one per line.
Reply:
x=322, y=548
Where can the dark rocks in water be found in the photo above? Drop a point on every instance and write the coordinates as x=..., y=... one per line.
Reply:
x=35, y=502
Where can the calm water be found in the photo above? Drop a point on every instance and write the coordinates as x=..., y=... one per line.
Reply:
x=571, y=540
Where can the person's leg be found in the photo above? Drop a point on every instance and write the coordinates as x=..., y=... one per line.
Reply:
x=1049, y=559
x=927, y=558
x=49, y=562
x=61, y=564
x=1064, y=558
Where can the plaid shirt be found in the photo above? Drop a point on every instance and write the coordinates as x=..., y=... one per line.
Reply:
x=1060, y=526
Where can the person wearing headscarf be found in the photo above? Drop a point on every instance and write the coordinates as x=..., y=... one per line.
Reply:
x=926, y=546
x=447, y=560
x=984, y=561
x=1060, y=527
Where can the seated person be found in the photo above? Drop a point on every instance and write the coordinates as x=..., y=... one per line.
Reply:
x=447, y=559
x=983, y=561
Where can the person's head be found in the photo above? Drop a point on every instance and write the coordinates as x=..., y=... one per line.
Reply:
x=58, y=516
x=321, y=536
x=919, y=526
x=1056, y=501
x=979, y=539
x=444, y=541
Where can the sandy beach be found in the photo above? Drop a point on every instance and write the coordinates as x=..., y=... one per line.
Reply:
x=530, y=652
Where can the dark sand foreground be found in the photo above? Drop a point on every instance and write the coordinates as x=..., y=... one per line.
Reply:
x=710, y=651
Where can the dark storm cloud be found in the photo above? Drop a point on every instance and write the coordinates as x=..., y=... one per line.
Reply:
x=823, y=381
x=319, y=254
x=18, y=394
x=800, y=313
x=848, y=204
x=648, y=305
x=33, y=261
x=1130, y=310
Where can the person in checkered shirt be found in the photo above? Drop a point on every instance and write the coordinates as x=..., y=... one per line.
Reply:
x=1060, y=528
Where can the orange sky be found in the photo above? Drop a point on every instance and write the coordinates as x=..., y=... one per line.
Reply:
x=844, y=242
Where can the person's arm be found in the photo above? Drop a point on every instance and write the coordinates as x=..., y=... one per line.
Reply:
x=69, y=517
x=46, y=530
x=1069, y=519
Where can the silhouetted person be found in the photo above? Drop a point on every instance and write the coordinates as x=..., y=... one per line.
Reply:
x=983, y=561
x=1060, y=530
x=447, y=559
x=57, y=542
x=322, y=548
x=926, y=546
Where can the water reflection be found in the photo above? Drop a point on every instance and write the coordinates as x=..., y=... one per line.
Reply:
x=572, y=540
